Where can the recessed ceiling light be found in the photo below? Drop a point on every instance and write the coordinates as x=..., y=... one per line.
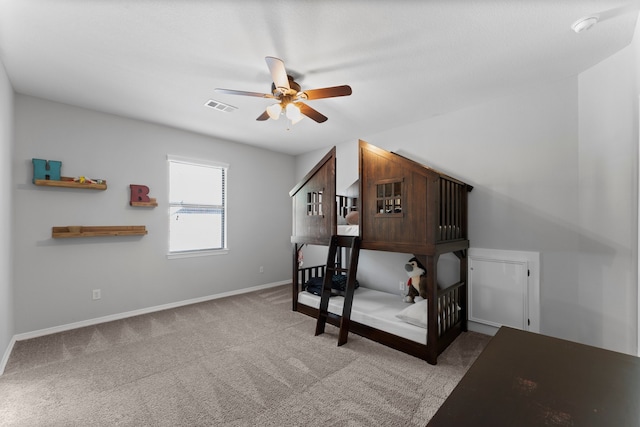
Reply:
x=585, y=23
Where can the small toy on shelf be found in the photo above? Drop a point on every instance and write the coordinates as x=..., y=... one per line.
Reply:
x=85, y=180
x=140, y=196
x=47, y=173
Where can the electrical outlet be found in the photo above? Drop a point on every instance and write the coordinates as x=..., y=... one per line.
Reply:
x=261, y=270
x=96, y=294
x=401, y=285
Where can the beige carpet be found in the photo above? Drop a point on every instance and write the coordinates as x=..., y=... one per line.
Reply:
x=246, y=360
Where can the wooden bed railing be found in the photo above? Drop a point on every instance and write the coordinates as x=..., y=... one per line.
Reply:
x=450, y=305
x=453, y=201
x=346, y=204
x=306, y=273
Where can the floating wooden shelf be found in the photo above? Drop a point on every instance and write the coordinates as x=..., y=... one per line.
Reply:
x=98, y=231
x=150, y=204
x=68, y=182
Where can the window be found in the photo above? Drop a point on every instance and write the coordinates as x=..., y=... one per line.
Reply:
x=389, y=197
x=314, y=203
x=197, y=207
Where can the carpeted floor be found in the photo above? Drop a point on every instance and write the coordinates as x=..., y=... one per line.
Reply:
x=246, y=360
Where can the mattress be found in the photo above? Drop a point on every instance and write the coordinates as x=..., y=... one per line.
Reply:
x=372, y=308
x=348, y=230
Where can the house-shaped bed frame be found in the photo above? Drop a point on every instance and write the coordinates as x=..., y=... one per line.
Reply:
x=403, y=207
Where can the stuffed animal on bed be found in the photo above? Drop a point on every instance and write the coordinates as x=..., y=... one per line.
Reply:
x=417, y=282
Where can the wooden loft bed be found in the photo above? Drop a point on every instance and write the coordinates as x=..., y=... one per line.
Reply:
x=403, y=207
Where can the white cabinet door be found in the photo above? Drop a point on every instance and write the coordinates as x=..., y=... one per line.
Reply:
x=498, y=292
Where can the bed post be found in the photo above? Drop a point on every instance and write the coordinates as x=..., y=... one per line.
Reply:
x=462, y=256
x=430, y=262
x=294, y=280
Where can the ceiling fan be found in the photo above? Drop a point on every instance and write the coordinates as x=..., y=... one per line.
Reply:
x=289, y=95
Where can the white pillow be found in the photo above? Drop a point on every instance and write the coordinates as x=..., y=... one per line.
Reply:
x=415, y=314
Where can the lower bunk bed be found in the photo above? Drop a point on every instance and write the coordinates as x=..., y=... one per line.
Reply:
x=385, y=318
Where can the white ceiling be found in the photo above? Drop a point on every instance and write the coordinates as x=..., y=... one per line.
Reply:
x=159, y=60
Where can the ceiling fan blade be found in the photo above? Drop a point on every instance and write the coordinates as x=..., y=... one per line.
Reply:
x=311, y=113
x=241, y=92
x=328, y=92
x=264, y=116
x=278, y=72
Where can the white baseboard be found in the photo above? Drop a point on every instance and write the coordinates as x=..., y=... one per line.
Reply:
x=481, y=328
x=119, y=316
x=7, y=353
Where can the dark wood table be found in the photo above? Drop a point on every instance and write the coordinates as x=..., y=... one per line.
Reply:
x=526, y=379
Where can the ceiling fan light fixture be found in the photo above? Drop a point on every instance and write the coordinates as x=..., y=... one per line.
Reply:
x=584, y=23
x=293, y=122
x=293, y=113
x=274, y=111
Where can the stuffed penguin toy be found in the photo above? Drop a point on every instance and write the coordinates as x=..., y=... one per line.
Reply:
x=417, y=282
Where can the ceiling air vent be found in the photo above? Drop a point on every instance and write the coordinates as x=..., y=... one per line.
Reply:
x=220, y=106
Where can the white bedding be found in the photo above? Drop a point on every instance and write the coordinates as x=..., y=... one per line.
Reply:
x=372, y=308
x=354, y=230
x=348, y=230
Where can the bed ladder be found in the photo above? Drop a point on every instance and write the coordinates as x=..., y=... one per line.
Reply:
x=337, y=243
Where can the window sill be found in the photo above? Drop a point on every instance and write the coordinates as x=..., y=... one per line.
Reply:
x=193, y=254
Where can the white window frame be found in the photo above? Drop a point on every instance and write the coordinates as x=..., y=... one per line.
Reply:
x=197, y=162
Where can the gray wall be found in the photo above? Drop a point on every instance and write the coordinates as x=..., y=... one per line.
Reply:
x=54, y=277
x=555, y=170
x=6, y=265
x=607, y=303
